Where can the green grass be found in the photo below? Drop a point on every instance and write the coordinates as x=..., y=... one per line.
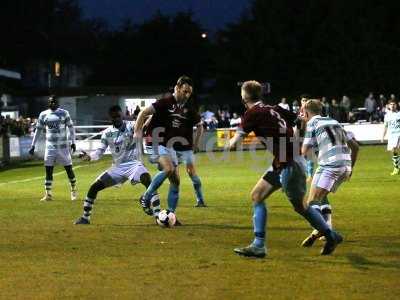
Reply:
x=122, y=254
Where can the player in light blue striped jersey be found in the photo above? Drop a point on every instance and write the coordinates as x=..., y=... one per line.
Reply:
x=336, y=154
x=60, y=139
x=326, y=210
x=392, y=128
x=126, y=166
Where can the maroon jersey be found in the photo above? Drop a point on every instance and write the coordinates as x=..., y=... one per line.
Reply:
x=274, y=125
x=178, y=122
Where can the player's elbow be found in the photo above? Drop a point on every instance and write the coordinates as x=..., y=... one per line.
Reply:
x=304, y=151
x=354, y=147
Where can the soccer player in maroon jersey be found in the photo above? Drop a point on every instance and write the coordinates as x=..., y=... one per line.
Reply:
x=174, y=117
x=274, y=128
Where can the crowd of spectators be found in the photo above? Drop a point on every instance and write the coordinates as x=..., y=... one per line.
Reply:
x=222, y=118
x=344, y=111
x=132, y=114
x=18, y=127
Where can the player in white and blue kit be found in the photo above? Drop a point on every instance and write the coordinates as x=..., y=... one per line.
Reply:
x=326, y=210
x=392, y=128
x=126, y=164
x=336, y=155
x=60, y=138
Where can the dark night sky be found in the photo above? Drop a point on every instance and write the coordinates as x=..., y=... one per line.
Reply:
x=212, y=14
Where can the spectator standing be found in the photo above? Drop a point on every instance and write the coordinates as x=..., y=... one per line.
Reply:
x=235, y=121
x=345, y=108
x=208, y=117
x=326, y=107
x=223, y=119
x=136, y=112
x=284, y=104
x=335, y=112
x=295, y=106
x=370, y=107
x=213, y=124
x=381, y=107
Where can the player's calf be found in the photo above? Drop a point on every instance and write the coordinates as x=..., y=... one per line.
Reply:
x=72, y=181
x=48, y=184
x=96, y=187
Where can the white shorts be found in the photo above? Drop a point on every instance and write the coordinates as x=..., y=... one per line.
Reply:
x=118, y=174
x=330, y=178
x=393, y=143
x=61, y=156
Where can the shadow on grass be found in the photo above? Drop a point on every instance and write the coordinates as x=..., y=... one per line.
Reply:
x=22, y=165
x=191, y=226
x=209, y=226
x=360, y=262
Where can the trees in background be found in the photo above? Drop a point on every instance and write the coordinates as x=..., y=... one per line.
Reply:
x=317, y=46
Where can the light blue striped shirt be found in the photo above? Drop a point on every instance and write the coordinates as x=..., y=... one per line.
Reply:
x=58, y=126
x=120, y=142
x=329, y=141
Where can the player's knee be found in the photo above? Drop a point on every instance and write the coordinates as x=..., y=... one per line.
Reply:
x=169, y=170
x=299, y=207
x=96, y=187
x=191, y=171
x=175, y=180
x=145, y=179
x=256, y=197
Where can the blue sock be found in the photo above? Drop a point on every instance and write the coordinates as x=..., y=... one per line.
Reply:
x=310, y=167
x=173, y=197
x=316, y=220
x=157, y=181
x=259, y=222
x=197, y=188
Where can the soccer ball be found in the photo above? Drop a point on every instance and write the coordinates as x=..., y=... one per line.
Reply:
x=166, y=218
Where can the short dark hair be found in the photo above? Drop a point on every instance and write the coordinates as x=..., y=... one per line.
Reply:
x=184, y=80
x=391, y=100
x=114, y=108
x=307, y=96
x=52, y=98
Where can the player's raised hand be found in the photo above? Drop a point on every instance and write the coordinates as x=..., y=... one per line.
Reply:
x=32, y=150
x=73, y=148
x=84, y=156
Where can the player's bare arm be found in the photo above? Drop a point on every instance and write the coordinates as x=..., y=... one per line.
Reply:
x=385, y=127
x=354, y=151
x=197, y=137
x=305, y=150
x=235, y=140
x=148, y=111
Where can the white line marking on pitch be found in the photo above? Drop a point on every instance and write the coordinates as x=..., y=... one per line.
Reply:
x=35, y=178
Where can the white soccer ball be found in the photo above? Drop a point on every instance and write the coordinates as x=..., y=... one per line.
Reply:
x=166, y=218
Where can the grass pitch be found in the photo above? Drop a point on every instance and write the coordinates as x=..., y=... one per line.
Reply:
x=122, y=254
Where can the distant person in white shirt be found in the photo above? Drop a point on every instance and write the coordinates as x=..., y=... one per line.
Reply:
x=235, y=121
x=284, y=104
